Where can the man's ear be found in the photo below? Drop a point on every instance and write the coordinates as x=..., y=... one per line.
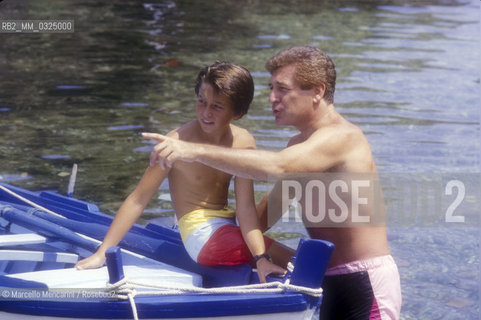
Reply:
x=319, y=91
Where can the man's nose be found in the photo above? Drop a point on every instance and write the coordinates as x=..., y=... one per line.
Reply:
x=272, y=97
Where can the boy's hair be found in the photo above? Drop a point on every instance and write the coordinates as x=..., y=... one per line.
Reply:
x=313, y=67
x=230, y=80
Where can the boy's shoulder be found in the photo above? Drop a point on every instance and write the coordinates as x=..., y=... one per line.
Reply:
x=184, y=132
x=242, y=137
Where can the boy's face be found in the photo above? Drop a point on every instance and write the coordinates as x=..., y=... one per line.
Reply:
x=214, y=112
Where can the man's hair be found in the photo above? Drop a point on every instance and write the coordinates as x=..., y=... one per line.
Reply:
x=313, y=67
x=230, y=80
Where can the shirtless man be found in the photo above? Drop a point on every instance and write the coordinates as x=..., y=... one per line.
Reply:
x=362, y=281
x=199, y=193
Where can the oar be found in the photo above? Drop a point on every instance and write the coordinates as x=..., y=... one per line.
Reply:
x=33, y=204
x=142, y=244
x=71, y=182
x=47, y=228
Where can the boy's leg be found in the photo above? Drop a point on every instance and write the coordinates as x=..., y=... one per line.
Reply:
x=227, y=247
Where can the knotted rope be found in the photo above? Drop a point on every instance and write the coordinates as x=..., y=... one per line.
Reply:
x=126, y=289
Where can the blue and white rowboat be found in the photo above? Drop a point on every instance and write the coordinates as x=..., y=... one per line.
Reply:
x=149, y=276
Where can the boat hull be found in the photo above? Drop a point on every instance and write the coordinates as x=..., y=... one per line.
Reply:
x=302, y=315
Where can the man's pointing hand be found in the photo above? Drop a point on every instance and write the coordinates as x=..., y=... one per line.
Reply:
x=167, y=151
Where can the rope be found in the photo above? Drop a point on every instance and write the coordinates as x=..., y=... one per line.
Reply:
x=33, y=204
x=126, y=289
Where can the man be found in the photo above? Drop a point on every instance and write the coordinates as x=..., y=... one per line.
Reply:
x=362, y=281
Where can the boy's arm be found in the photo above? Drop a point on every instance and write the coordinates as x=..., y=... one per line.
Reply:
x=247, y=217
x=261, y=209
x=269, y=209
x=129, y=212
x=249, y=225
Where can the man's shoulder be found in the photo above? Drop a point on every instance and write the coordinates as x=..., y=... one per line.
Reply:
x=352, y=134
x=343, y=131
x=339, y=140
x=348, y=143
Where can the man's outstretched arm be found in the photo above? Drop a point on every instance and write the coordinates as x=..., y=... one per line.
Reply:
x=244, y=163
x=314, y=155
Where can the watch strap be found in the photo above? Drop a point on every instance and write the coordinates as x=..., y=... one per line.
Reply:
x=260, y=256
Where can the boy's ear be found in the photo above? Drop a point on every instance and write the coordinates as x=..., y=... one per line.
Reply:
x=238, y=116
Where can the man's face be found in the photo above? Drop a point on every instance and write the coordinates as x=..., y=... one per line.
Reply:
x=290, y=103
x=214, y=112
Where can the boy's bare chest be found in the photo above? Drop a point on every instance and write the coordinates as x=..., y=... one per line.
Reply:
x=200, y=176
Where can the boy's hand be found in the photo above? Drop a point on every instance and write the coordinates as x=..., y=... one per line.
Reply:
x=94, y=261
x=265, y=268
x=168, y=150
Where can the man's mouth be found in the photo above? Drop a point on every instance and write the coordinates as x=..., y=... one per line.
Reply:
x=275, y=109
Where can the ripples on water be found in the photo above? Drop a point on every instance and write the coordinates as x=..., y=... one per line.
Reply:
x=408, y=75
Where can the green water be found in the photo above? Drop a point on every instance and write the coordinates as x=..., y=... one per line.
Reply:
x=408, y=75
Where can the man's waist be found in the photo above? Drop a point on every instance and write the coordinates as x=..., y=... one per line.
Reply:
x=361, y=265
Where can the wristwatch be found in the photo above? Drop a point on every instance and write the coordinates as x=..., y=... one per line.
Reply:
x=260, y=256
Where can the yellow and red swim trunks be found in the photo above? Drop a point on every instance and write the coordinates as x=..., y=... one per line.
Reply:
x=212, y=237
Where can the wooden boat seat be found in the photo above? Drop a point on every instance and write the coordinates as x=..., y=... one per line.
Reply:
x=97, y=278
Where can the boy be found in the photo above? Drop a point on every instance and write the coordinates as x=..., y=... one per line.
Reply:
x=199, y=193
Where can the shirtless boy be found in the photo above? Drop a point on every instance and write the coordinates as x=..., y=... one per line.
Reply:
x=362, y=281
x=199, y=193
